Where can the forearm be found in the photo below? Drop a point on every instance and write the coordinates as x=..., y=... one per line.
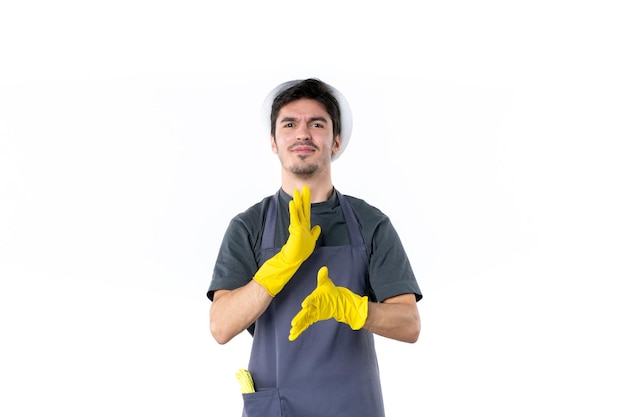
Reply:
x=396, y=318
x=233, y=311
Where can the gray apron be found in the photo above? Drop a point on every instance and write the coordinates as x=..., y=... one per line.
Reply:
x=330, y=370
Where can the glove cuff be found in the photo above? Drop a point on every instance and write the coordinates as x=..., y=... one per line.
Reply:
x=275, y=273
x=360, y=312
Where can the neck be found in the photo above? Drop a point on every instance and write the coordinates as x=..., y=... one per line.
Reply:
x=321, y=190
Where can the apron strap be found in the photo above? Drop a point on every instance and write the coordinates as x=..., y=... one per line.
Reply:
x=356, y=238
x=269, y=230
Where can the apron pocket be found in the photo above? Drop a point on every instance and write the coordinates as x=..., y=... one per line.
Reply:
x=264, y=403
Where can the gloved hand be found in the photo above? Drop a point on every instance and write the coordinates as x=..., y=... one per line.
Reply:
x=328, y=301
x=278, y=270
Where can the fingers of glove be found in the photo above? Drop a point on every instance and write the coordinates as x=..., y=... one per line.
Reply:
x=316, y=231
x=312, y=300
x=294, y=218
x=322, y=276
x=302, y=321
x=323, y=294
x=299, y=206
x=300, y=210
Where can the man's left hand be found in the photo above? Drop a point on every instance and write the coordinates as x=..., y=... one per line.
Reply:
x=328, y=301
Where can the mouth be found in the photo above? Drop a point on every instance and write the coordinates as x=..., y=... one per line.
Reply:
x=302, y=150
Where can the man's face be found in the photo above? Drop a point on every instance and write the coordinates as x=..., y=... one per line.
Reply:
x=304, y=139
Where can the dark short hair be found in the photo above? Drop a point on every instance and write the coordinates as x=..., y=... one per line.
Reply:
x=313, y=89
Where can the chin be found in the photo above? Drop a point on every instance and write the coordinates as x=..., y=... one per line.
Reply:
x=304, y=169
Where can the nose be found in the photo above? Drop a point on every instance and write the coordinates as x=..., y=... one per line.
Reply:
x=303, y=132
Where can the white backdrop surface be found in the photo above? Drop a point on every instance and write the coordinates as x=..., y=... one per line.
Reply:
x=492, y=135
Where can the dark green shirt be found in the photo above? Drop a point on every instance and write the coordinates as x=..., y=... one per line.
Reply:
x=390, y=272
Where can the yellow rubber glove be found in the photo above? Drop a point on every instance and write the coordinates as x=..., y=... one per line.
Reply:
x=278, y=270
x=328, y=301
x=245, y=381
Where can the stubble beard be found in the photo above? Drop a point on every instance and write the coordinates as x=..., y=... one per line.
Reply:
x=304, y=169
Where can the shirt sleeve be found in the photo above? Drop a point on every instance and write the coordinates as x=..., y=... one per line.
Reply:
x=390, y=269
x=235, y=264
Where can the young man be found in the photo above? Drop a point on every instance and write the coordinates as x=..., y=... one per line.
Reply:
x=306, y=255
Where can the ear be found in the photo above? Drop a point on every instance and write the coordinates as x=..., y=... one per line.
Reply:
x=273, y=144
x=336, y=144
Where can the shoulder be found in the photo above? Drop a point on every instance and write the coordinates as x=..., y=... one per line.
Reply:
x=252, y=218
x=376, y=226
x=254, y=211
x=365, y=212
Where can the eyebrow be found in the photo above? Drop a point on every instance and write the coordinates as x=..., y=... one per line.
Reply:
x=312, y=119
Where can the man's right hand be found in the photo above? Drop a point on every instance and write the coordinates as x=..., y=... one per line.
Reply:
x=278, y=270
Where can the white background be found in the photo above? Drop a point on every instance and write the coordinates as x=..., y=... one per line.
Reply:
x=490, y=132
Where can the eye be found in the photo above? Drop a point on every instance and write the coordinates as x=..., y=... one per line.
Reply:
x=317, y=124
